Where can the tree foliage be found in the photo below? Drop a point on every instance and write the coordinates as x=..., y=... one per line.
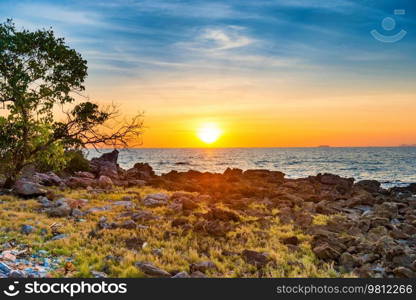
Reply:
x=38, y=73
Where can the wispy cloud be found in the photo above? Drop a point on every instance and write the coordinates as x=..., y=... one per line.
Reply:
x=219, y=39
x=204, y=9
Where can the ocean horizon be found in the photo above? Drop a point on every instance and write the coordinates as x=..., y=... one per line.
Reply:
x=392, y=166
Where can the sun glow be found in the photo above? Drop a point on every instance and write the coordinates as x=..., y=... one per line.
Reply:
x=209, y=133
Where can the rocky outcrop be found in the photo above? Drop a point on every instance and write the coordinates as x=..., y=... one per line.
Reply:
x=26, y=188
x=106, y=165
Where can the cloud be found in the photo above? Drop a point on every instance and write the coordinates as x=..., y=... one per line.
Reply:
x=213, y=39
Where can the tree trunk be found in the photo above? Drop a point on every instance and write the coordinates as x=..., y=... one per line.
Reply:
x=9, y=183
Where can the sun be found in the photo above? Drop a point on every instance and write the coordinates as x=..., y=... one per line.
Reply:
x=209, y=133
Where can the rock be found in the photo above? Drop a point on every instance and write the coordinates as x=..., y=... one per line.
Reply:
x=275, y=175
x=143, y=216
x=84, y=174
x=17, y=274
x=221, y=214
x=387, y=210
x=25, y=188
x=347, y=261
x=110, y=157
x=140, y=171
x=77, y=213
x=125, y=204
x=45, y=202
x=257, y=259
x=47, y=179
x=292, y=240
x=303, y=220
x=134, y=243
x=105, y=182
x=157, y=252
x=326, y=252
x=182, y=274
x=106, y=165
x=153, y=200
x=202, y=266
x=4, y=268
x=93, y=210
x=332, y=179
x=198, y=274
x=403, y=272
x=8, y=255
x=27, y=229
x=188, y=204
x=371, y=186
x=59, y=237
x=80, y=182
x=215, y=228
x=97, y=274
x=179, y=222
x=129, y=224
x=136, y=182
x=62, y=209
x=151, y=270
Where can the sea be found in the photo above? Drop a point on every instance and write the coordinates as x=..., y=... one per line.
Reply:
x=392, y=166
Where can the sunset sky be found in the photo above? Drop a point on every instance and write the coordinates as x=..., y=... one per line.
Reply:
x=266, y=73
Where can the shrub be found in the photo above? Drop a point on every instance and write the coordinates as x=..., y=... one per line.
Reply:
x=77, y=162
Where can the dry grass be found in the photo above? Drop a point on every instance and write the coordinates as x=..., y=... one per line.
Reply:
x=108, y=252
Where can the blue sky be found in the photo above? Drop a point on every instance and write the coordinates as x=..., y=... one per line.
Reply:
x=162, y=50
x=132, y=36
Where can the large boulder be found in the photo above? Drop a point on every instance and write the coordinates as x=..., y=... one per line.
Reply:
x=105, y=182
x=80, y=182
x=106, y=165
x=48, y=179
x=141, y=171
x=371, y=186
x=26, y=188
x=61, y=208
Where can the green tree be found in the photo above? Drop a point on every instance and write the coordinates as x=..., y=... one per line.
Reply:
x=39, y=72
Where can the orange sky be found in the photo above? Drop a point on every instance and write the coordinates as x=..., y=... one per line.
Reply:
x=250, y=114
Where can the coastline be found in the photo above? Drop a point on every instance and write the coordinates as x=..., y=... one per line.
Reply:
x=253, y=223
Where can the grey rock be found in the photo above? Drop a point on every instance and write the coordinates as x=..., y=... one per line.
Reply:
x=98, y=274
x=182, y=274
x=153, y=200
x=202, y=266
x=151, y=270
x=59, y=237
x=27, y=229
x=24, y=187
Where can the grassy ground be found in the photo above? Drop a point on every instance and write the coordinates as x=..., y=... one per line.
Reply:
x=109, y=253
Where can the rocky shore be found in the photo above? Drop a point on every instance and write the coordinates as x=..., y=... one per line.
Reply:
x=358, y=228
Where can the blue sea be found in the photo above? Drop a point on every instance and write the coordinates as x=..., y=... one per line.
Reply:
x=392, y=166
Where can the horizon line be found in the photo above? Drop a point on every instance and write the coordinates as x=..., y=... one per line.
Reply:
x=261, y=147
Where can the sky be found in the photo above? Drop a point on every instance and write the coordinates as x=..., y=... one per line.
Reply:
x=282, y=73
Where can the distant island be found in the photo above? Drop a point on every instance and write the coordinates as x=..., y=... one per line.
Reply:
x=406, y=145
x=324, y=146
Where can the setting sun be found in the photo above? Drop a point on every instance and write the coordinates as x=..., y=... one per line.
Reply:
x=209, y=133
